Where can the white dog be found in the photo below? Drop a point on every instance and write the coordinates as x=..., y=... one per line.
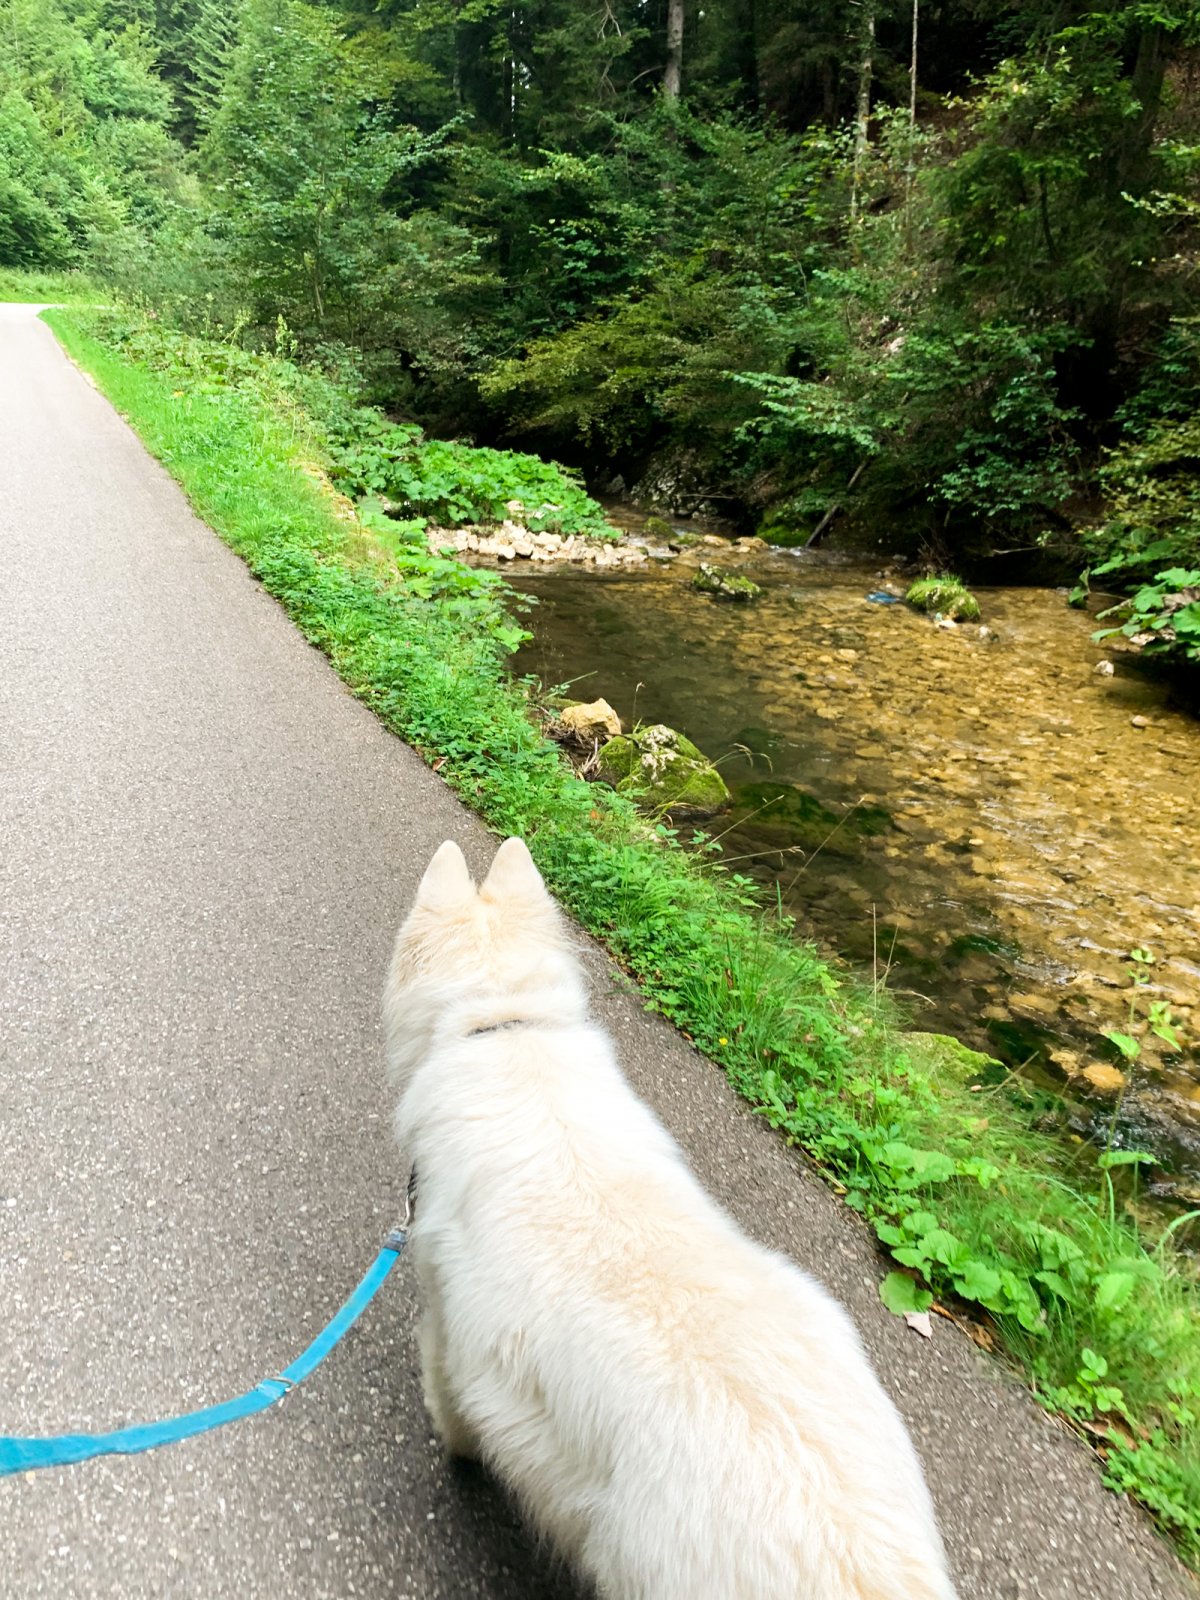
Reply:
x=680, y=1411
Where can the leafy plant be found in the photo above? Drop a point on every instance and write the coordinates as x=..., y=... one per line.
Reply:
x=451, y=483
x=1162, y=617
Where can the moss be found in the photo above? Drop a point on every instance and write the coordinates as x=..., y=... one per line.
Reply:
x=659, y=530
x=942, y=1056
x=781, y=811
x=783, y=535
x=722, y=585
x=945, y=594
x=661, y=770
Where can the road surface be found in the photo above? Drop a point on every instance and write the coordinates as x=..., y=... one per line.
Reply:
x=205, y=847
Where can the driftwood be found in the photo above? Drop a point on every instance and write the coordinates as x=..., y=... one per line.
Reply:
x=834, y=508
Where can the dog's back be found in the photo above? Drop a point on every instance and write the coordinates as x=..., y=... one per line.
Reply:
x=681, y=1412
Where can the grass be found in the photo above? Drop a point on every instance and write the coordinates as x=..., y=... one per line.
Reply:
x=972, y=1202
x=55, y=288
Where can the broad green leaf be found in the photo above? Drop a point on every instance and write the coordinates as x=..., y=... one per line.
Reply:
x=1113, y=1290
x=901, y=1294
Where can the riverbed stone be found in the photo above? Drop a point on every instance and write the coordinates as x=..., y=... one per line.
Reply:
x=1103, y=1078
x=662, y=770
x=945, y=597
x=590, y=722
x=722, y=585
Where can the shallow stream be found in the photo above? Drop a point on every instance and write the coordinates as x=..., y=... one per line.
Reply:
x=988, y=822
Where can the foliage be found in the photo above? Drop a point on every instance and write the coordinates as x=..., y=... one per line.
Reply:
x=86, y=154
x=1151, y=536
x=959, y=1186
x=452, y=484
x=488, y=219
x=1163, y=617
x=55, y=288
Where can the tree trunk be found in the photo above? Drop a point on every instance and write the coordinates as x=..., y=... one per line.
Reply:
x=834, y=509
x=1132, y=168
x=509, y=81
x=673, y=76
x=862, y=115
x=746, y=48
x=911, y=164
x=457, y=44
x=1096, y=379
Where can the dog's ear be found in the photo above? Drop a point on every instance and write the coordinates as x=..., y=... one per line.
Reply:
x=513, y=876
x=447, y=882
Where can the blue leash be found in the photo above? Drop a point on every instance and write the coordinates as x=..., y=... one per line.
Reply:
x=24, y=1455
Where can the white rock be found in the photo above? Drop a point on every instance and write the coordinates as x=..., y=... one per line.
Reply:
x=595, y=721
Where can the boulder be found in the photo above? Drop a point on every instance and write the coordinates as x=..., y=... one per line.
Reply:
x=593, y=723
x=663, y=771
x=1103, y=1078
x=658, y=529
x=945, y=596
x=722, y=585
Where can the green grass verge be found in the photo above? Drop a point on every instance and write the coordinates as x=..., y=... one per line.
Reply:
x=56, y=288
x=952, y=1175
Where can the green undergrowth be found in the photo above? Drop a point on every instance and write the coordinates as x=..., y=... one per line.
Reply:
x=972, y=1202
x=58, y=288
x=451, y=484
x=391, y=470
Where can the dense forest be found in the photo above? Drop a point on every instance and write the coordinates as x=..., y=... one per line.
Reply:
x=915, y=274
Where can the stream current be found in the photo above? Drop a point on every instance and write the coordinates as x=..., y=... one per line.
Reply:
x=988, y=820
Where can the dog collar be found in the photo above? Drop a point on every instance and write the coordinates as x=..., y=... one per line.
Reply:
x=512, y=1022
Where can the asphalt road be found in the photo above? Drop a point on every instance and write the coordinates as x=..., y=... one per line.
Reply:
x=205, y=847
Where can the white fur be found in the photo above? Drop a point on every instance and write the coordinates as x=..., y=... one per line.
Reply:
x=680, y=1411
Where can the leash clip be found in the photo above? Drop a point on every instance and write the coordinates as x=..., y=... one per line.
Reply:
x=398, y=1237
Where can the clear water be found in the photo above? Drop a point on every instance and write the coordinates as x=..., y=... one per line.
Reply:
x=980, y=819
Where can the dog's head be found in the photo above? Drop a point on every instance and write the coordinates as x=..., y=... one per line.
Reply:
x=478, y=955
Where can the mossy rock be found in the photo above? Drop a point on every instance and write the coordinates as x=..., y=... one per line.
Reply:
x=944, y=1056
x=663, y=771
x=658, y=529
x=781, y=812
x=783, y=535
x=722, y=585
x=947, y=595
